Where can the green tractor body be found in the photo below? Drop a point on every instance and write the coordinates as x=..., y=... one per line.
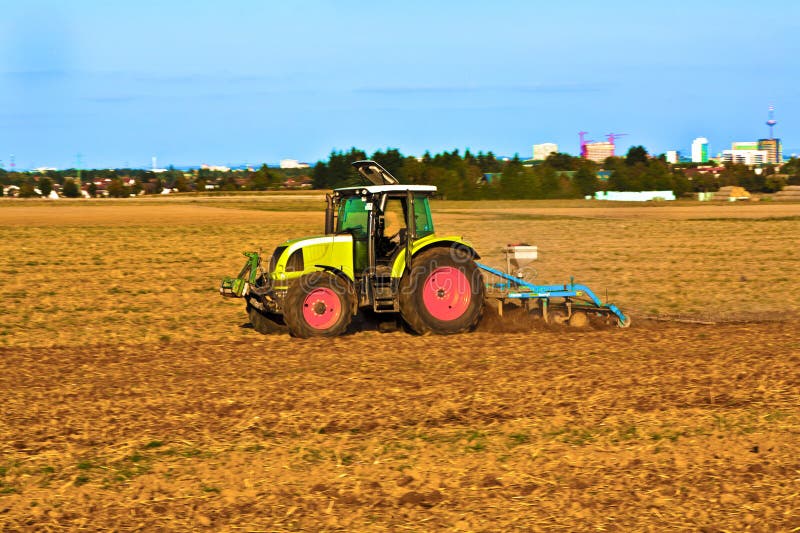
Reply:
x=379, y=251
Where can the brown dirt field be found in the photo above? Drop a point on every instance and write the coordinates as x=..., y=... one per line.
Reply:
x=131, y=397
x=657, y=427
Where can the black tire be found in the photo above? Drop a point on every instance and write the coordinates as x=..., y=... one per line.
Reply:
x=266, y=323
x=335, y=301
x=415, y=283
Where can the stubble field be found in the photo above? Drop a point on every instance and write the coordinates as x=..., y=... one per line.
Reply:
x=132, y=397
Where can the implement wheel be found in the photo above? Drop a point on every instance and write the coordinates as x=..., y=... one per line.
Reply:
x=442, y=293
x=318, y=305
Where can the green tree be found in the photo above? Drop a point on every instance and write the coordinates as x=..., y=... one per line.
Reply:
x=229, y=183
x=200, y=185
x=180, y=184
x=550, y=183
x=487, y=163
x=26, y=191
x=562, y=161
x=338, y=171
x=46, y=186
x=775, y=183
x=636, y=154
x=260, y=179
x=92, y=189
x=585, y=182
x=792, y=169
x=624, y=178
x=517, y=182
x=117, y=189
x=320, y=176
x=70, y=189
x=681, y=185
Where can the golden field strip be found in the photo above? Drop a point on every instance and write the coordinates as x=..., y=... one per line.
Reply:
x=131, y=397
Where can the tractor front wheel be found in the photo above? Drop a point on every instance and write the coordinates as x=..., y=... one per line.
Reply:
x=442, y=293
x=318, y=305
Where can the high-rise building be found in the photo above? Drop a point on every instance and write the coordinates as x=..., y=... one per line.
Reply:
x=700, y=150
x=541, y=151
x=672, y=156
x=599, y=152
x=773, y=148
x=745, y=157
x=744, y=145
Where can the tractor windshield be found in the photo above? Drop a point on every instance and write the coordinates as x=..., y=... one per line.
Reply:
x=353, y=216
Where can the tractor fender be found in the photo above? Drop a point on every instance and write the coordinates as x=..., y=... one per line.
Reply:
x=344, y=279
x=399, y=266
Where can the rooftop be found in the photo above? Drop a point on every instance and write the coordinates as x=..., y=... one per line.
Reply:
x=375, y=189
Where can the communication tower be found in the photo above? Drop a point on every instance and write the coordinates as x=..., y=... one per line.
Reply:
x=771, y=121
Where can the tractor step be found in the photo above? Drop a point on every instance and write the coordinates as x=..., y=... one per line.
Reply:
x=384, y=293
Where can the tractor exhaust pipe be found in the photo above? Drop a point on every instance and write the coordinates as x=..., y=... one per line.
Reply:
x=328, y=214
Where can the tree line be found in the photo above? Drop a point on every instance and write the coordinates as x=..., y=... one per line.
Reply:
x=121, y=183
x=477, y=176
x=457, y=175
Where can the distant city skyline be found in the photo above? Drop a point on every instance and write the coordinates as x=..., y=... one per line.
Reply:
x=251, y=82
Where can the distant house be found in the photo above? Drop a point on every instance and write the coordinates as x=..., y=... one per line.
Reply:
x=705, y=169
x=300, y=182
x=489, y=177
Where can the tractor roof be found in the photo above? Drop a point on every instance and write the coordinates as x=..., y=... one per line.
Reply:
x=375, y=189
x=374, y=173
x=381, y=181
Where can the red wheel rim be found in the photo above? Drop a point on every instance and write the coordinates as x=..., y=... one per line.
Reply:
x=322, y=308
x=446, y=293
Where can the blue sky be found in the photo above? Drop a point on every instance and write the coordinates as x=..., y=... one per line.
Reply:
x=255, y=81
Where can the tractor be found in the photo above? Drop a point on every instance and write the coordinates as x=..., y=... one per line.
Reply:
x=379, y=252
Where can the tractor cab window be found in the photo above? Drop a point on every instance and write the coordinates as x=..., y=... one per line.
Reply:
x=394, y=218
x=392, y=230
x=353, y=217
x=423, y=222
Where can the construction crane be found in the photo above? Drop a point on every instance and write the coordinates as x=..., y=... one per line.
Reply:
x=612, y=137
x=583, y=143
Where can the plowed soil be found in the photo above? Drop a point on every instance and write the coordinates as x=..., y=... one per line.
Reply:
x=133, y=398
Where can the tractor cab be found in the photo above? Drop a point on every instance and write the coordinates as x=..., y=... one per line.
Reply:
x=384, y=219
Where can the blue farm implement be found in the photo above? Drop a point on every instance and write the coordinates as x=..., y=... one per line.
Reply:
x=571, y=303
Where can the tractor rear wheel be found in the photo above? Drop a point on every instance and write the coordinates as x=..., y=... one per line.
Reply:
x=319, y=304
x=442, y=293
